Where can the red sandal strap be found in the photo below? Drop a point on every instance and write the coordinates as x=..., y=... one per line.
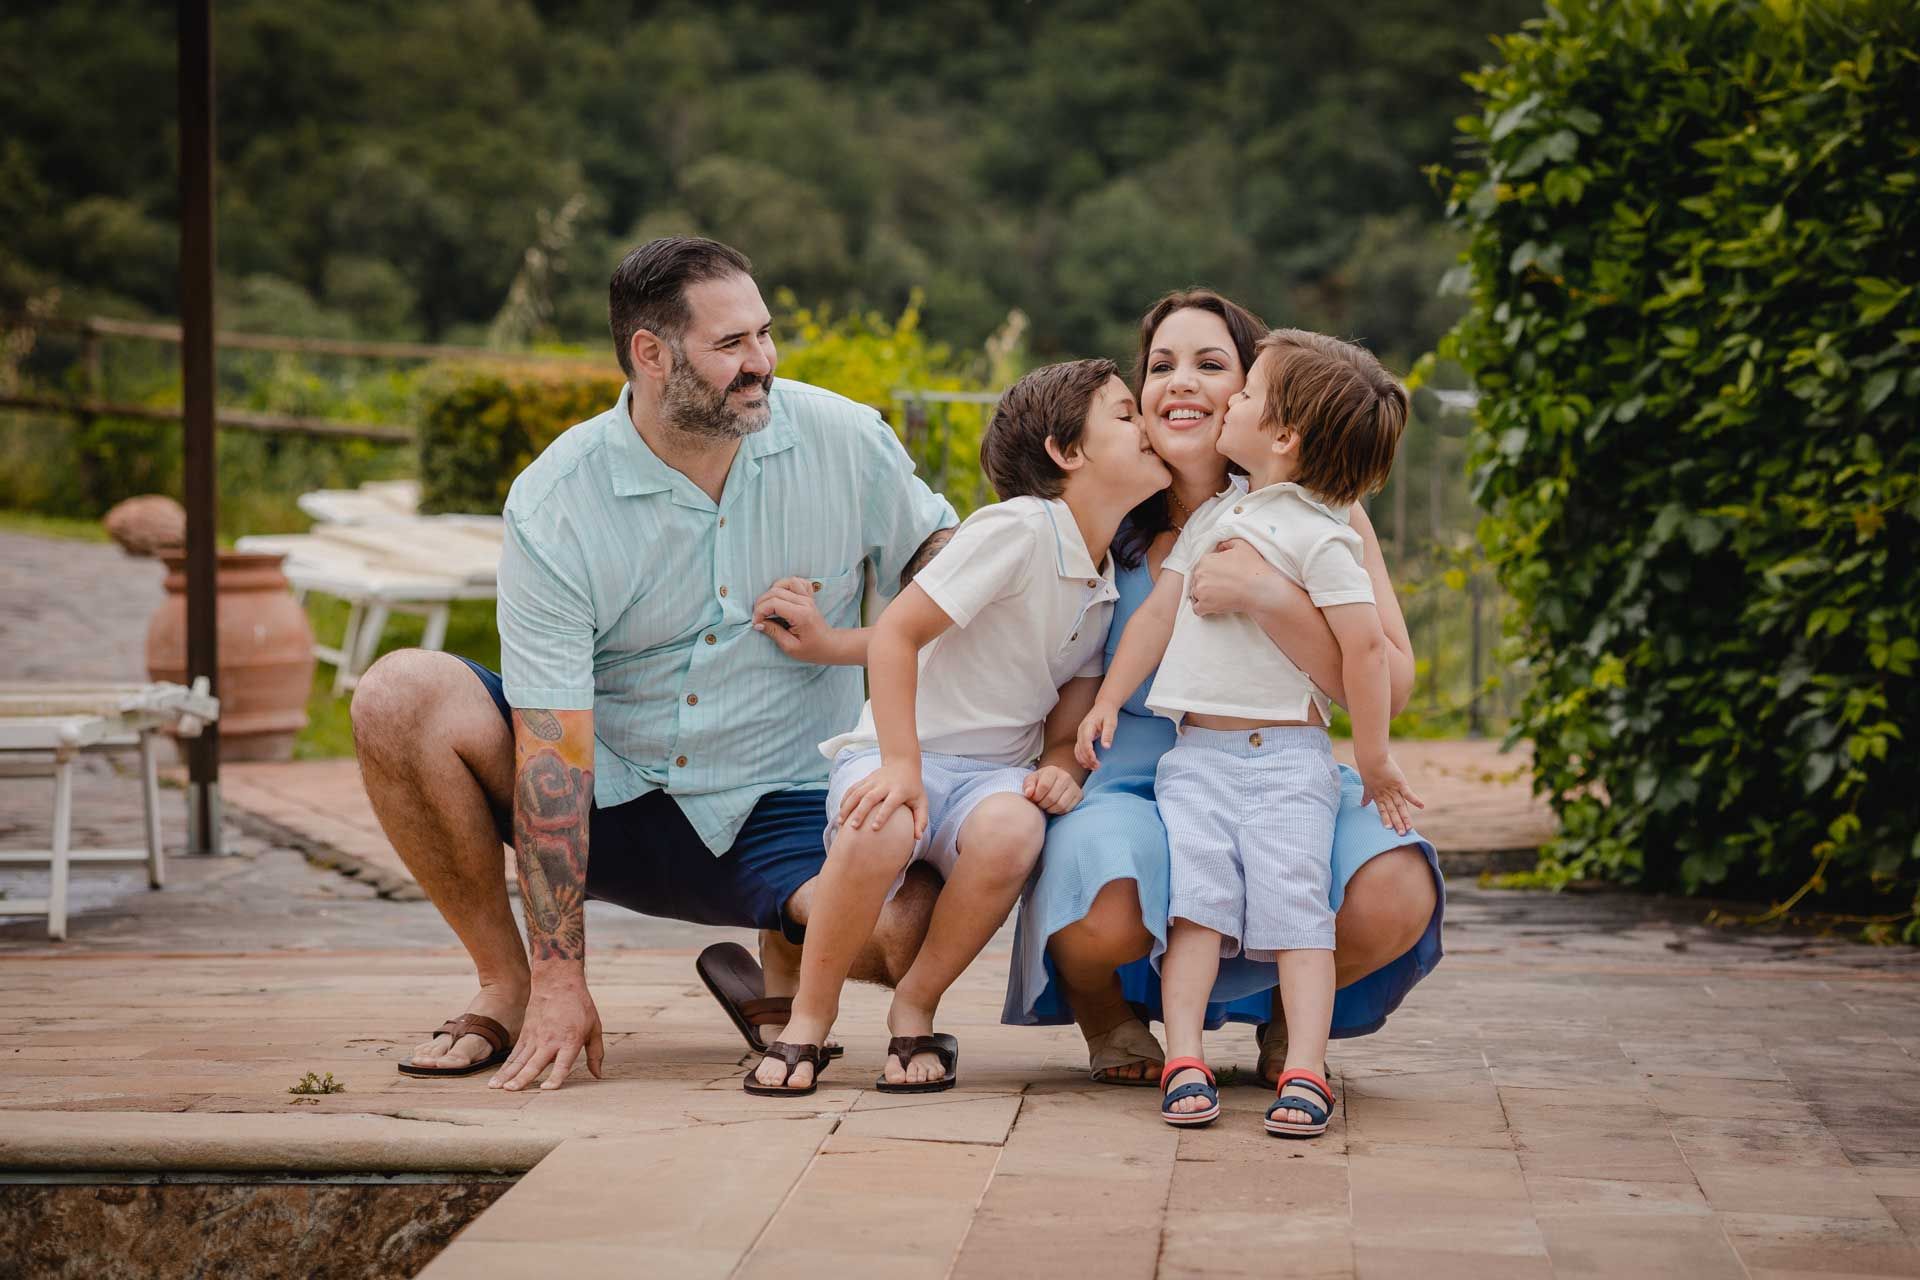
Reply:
x=1308, y=1078
x=1175, y=1065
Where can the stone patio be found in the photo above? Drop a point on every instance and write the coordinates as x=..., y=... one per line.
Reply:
x=1589, y=1085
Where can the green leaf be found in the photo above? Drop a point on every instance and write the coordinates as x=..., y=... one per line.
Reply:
x=1878, y=388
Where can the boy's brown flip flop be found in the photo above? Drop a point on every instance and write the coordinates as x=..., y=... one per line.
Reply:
x=468, y=1024
x=735, y=979
x=906, y=1048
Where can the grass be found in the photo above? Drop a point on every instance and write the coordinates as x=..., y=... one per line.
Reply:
x=52, y=526
x=329, y=731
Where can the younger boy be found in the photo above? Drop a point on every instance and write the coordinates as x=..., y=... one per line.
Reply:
x=966, y=669
x=1250, y=791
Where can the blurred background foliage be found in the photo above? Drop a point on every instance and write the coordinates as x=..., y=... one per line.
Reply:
x=396, y=170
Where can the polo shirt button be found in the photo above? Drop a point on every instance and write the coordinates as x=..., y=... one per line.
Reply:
x=1074, y=636
x=680, y=762
x=1238, y=510
x=710, y=638
x=723, y=593
x=1093, y=582
x=1253, y=740
x=693, y=699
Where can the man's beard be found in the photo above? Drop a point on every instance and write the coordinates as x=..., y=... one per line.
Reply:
x=692, y=407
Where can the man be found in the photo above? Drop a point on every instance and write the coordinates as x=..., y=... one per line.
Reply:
x=674, y=574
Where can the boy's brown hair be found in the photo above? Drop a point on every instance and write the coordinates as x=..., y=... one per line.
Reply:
x=1347, y=409
x=1051, y=403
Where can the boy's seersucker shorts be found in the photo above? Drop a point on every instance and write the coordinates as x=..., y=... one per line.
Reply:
x=955, y=787
x=1249, y=818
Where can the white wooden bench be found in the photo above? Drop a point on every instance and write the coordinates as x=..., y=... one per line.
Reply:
x=45, y=727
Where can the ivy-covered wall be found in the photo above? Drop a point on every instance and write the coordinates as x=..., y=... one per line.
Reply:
x=1695, y=322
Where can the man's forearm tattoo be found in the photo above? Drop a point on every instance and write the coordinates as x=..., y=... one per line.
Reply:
x=544, y=725
x=551, y=803
x=924, y=556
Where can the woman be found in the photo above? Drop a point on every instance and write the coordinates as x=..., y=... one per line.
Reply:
x=1100, y=901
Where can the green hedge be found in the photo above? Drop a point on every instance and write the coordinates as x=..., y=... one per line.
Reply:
x=1695, y=279
x=480, y=426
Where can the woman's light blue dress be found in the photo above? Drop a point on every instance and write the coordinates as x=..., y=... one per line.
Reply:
x=1115, y=833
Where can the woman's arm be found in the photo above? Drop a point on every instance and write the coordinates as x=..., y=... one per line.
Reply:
x=1234, y=578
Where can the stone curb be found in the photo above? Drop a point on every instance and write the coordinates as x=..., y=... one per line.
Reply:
x=386, y=882
x=173, y=1143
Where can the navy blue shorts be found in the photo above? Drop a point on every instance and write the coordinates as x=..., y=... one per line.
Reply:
x=645, y=856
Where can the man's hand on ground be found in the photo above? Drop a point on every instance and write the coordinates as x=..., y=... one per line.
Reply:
x=561, y=1021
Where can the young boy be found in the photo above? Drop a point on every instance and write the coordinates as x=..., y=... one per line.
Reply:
x=966, y=669
x=1250, y=790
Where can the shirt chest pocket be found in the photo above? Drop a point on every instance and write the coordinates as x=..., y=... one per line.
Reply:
x=837, y=595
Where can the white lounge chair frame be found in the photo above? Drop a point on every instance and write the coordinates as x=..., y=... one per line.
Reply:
x=44, y=728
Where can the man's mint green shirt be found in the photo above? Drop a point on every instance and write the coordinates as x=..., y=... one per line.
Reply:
x=625, y=590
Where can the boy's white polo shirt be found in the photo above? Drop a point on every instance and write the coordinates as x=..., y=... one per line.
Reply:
x=1030, y=612
x=1225, y=665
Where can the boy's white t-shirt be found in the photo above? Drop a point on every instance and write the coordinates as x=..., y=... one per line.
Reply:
x=1225, y=665
x=1030, y=612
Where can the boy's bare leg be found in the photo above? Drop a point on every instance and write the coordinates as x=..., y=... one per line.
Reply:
x=896, y=939
x=1187, y=972
x=1306, y=991
x=998, y=846
x=845, y=907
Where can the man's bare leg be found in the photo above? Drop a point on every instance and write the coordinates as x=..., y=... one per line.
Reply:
x=437, y=761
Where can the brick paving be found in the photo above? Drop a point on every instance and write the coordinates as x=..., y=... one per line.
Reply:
x=1589, y=1085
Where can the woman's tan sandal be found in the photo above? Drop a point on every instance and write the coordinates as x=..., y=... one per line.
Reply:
x=793, y=1055
x=1272, y=1039
x=736, y=981
x=907, y=1048
x=498, y=1039
x=1125, y=1045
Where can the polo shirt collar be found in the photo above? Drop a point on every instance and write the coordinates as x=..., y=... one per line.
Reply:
x=1307, y=496
x=636, y=470
x=1070, y=556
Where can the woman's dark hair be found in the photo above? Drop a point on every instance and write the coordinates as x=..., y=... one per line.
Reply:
x=1152, y=517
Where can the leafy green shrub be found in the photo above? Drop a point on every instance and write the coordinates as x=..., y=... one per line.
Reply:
x=481, y=425
x=1695, y=261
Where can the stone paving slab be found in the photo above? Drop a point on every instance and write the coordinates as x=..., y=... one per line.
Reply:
x=1462, y=1145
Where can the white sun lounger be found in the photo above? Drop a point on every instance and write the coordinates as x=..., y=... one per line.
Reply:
x=62, y=720
x=396, y=564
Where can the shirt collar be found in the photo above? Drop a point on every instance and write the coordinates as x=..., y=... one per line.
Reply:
x=1070, y=556
x=637, y=469
x=1274, y=491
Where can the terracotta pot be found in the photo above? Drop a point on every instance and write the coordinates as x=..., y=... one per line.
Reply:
x=266, y=653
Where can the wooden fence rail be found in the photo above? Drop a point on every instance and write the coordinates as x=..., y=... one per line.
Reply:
x=239, y=419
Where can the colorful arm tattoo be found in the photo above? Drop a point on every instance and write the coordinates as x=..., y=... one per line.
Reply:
x=552, y=798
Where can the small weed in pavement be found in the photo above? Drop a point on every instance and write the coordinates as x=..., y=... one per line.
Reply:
x=311, y=1083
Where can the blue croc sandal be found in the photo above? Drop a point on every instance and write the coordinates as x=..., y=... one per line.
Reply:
x=1320, y=1113
x=1189, y=1119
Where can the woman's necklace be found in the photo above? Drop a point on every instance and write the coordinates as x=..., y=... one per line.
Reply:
x=1177, y=511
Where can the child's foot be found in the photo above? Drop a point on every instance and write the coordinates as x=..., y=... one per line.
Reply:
x=1293, y=1115
x=908, y=1019
x=1303, y=1107
x=775, y=1074
x=1195, y=1102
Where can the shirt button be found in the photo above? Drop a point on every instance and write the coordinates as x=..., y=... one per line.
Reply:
x=723, y=593
x=1253, y=740
x=816, y=586
x=1093, y=582
x=1238, y=510
x=693, y=699
x=680, y=762
x=710, y=638
x=723, y=522
x=1074, y=636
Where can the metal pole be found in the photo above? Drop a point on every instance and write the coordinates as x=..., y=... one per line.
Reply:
x=196, y=369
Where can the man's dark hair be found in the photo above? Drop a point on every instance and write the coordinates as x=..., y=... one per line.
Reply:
x=1051, y=403
x=649, y=287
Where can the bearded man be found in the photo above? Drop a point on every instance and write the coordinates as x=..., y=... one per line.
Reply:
x=679, y=613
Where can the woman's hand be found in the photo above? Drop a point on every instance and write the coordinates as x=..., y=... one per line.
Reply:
x=1232, y=578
